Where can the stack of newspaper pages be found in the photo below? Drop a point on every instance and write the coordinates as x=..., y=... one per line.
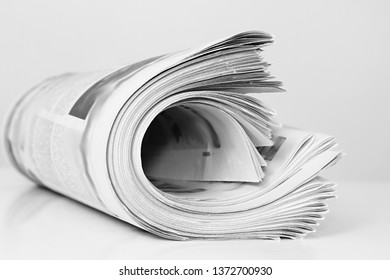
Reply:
x=175, y=145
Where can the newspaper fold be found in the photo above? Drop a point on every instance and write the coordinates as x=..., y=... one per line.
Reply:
x=175, y=146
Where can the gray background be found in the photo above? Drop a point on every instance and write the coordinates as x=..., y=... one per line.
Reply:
x=332, y=56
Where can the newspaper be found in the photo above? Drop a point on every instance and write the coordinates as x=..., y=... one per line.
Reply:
x=175, y=146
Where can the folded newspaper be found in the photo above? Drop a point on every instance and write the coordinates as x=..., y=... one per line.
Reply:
x=175, y=145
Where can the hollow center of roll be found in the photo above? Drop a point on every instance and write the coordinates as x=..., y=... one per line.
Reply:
x=193, y=143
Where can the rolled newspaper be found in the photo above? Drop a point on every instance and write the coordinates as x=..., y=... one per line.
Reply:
x=175, y=146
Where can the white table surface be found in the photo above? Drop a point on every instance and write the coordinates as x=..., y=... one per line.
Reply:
x=36, y=223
